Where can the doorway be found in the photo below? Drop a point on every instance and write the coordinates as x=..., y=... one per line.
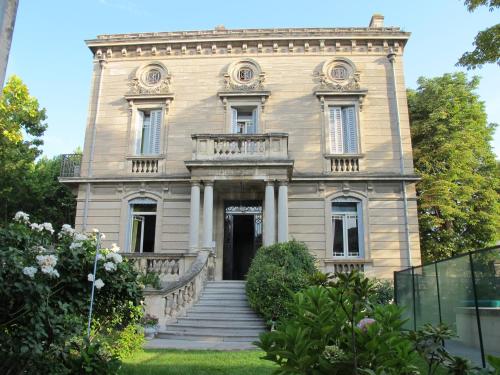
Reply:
x=242, y=237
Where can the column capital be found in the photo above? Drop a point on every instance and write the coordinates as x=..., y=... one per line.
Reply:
x=195, y=183
x=283, y=183
x=269, y=182
x=208, y=183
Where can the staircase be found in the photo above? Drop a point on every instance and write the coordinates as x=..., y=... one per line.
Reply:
x=221, y=319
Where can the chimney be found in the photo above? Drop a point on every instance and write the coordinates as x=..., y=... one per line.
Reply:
x=220, y=28
x=377, y=20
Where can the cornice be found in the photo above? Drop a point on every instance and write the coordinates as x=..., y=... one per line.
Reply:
x=251, y=41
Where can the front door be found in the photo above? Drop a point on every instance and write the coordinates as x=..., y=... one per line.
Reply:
x=242, y=237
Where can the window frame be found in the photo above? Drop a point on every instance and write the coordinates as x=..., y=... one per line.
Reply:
x=235, y=103
x=149, y=106
x=343, y=103
x=363, y=224
x=127, y=217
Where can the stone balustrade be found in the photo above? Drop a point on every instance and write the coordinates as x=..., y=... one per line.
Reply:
x=176, y=297
x=344, y=163
x=142, y=165
x=269, y=146
x=169, y=267
x=346, y=265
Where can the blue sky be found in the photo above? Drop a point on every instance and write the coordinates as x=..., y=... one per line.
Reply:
x=49, y=54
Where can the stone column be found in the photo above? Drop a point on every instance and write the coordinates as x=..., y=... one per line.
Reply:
x=283, y=212
x=208, y=210
x=194, y=217
x=269, y=235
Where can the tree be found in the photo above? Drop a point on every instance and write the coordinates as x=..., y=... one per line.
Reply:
x=19, y=113
x=458, y=198
x=26, y=184
x=487, y=42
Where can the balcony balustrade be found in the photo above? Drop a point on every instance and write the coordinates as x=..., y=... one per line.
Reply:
x=219, y=147
x=71, y=165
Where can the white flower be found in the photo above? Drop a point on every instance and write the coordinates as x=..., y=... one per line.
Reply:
x=47, y=269
x=46, y=261
x=30, y=271
x=117, y=258
x=40, y=249
x=99, y=284
x=75, y=245
x=80, y=237
x=99, y=256
x=22, y=217
x=48, y=227
x=103, y=237
x=37, y=227
x=95, y=230
x=114, y=248
x=66, y=230
x=54, y=273
x=110, y=266
x=90, y=277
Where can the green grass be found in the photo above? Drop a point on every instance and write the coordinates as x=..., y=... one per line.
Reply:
x=197, y=362
x=207, y=362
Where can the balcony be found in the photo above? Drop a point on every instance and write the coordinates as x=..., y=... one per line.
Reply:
x=220, y=147
x=71, y=165
x=344, y=163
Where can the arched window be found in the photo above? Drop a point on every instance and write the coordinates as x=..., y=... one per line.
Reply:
x=142, y=225
x=347, y=227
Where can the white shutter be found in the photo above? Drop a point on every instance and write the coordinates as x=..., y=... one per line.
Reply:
x=254, y=122
x=146, y=135
x=234, y=120
x=139, y=122
x=336, y=138
x=350, y=130
x=155, y=119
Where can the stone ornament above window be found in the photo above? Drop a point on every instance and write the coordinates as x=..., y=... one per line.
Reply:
x=339, y=74
x=150, y=79
x=244, y=75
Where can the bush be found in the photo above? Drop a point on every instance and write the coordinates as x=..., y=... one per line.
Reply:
x=276, y=271
x=383, y=291
x=337, y=330
x=45, y=296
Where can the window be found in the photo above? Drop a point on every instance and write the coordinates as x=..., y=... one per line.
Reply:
x=343, y=130
x=346, y=228
x=142, y=225
x=148, y=131
x=244, y=120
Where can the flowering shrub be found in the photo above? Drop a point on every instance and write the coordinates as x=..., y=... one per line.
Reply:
x=336, y=329
x=46, y=282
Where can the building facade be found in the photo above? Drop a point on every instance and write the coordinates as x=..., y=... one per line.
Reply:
x=229, y=139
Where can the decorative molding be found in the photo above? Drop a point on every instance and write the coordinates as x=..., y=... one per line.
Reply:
x=339, y=74
x=244, y=75
x=150, y=79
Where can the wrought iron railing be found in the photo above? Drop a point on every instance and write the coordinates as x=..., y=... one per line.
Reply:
x=71, y=165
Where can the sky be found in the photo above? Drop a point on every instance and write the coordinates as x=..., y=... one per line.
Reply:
x=49, y=54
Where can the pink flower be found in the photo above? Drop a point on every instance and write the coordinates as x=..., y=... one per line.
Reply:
x=364, y=323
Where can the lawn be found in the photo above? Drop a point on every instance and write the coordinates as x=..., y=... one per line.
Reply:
x=199, y=362
x=203, y=362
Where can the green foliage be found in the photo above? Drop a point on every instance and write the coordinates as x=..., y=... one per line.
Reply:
x=383, y=291
x=337, y=330
x=29, y=185
x=275, y=271
x=124, y=342
x=458, y=206
x=487, y=42
x=91, y=358
x=150, y=278
x=45, y=295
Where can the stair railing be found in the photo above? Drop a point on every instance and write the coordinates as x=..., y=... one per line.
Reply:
x=175, y=297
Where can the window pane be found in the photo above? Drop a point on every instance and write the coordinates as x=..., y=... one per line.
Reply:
x=136, y=233
x=344, y=207
x=144, y=208
x=338, y=236
x=352, y=235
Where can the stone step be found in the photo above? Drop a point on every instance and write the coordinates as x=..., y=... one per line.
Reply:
x=222, y=316
x=198, y=345
x=224, y=302
x=207, y=337
x=194, y=330
x=249, y=319
x=232, y=324
x=220, y=309
x=220, y=296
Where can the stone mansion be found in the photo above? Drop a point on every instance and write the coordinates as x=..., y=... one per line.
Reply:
x=221, y=141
